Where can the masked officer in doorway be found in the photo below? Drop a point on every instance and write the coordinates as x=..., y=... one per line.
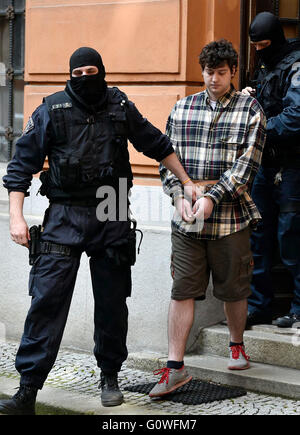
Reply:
x=276, y=189
x=83, y=130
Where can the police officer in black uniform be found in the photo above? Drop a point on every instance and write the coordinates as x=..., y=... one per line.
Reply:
x=83, y=130
x=276, y=190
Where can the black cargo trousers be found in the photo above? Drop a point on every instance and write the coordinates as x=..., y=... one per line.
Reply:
x=51, y=284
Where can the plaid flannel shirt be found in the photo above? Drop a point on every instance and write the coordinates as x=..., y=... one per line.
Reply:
x=224, y=144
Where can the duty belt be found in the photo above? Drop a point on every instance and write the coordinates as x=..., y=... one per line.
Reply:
x=88, y=202
x=38, y=247
x=53, y=248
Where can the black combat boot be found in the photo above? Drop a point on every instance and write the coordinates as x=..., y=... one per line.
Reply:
x=110, y=394
x=22, y=403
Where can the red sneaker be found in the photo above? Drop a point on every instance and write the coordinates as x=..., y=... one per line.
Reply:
x=238, y=358
x=171, y=380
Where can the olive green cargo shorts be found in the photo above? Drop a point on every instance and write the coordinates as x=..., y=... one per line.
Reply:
x=228, y=259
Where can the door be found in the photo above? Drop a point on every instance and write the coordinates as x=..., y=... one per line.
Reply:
x=288, y=12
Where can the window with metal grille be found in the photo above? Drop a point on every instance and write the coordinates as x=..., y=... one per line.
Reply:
x=288, y=12
x=12, y=25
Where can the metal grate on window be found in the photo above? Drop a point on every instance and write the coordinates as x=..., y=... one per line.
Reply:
x=284, y=20
x=12, y=29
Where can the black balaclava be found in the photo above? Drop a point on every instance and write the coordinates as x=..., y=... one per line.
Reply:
x=267, y=26
x=91, y=88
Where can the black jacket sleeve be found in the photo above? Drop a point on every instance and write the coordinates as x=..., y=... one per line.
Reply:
x=287, y=123
x=31, y=151
x=145, y=137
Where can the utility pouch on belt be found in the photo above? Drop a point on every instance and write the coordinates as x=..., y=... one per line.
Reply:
x=69, y=172
x=132, y=242
x=44, y=178
x=34, y=243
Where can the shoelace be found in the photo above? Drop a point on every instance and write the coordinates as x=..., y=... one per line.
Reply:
x=165, y=374
x=19, y=395
x=24, y=392
x=236, y=350
x=109, y=381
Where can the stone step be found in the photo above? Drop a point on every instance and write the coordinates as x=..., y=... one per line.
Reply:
x=261, y=378
x=265, y=344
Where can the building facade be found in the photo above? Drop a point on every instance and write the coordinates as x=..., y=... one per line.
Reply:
x=150, y=49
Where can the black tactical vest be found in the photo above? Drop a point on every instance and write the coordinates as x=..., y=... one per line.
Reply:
x=89, y=149
x=273, y=86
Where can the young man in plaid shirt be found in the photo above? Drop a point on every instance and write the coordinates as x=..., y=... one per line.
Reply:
x=218, y=135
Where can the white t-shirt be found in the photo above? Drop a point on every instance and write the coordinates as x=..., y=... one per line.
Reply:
x=213, y=104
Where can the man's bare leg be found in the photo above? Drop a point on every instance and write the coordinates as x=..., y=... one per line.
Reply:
x=180, y=321
x=236, y=315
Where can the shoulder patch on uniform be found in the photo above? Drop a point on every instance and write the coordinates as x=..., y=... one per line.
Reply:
x=29, y=126
x=61, y=106
x=117, y=96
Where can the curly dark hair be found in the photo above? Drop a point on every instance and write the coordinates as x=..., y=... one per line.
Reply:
x=216, y=53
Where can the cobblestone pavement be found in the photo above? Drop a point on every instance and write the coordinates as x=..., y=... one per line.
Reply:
x=75, y=371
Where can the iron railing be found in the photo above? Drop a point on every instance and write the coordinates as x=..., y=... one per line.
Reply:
x=10, y=10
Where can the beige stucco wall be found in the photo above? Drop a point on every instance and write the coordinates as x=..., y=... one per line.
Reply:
x=150, y=49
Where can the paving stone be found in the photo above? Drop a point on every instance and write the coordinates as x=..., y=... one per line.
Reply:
x=76, y=371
